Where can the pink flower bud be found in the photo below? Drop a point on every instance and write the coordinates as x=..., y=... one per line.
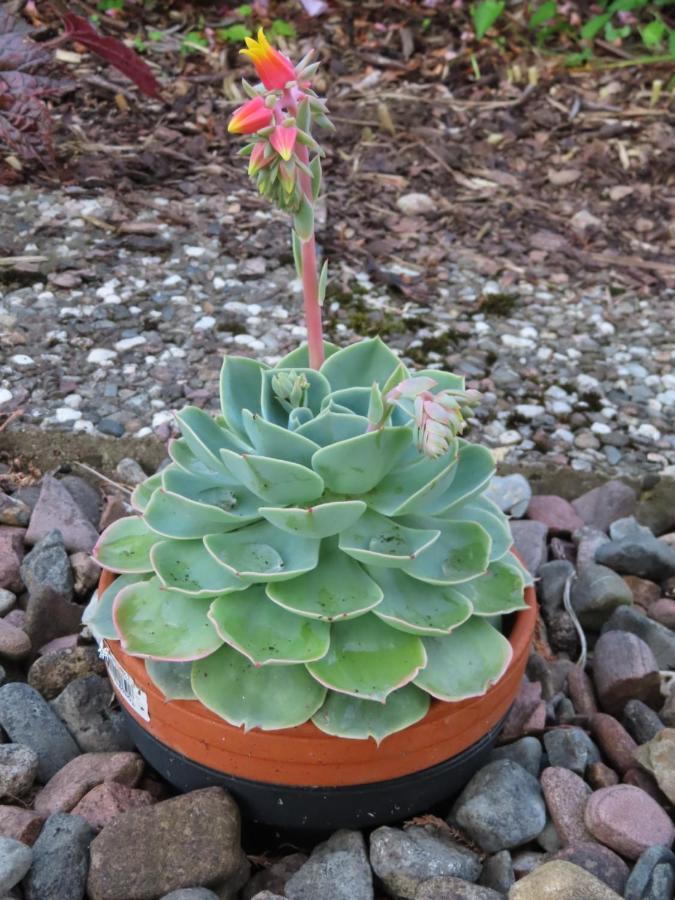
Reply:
x=283, y=140
x=250, y=117
x=274, y=69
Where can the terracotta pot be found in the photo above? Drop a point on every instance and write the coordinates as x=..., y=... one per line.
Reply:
x=305, y=756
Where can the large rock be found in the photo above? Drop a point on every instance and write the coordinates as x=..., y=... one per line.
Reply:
x=498, y=872
x=605, y=504
x=20, y=824
x=570, y=747
x=557, y=514
x=511, y=493
x=50, y=612
x=87, y=497
x=529, y=540
x=50, y=674
x=402, y=860
x=15, y=860
x=61, y=853
x=56, y=508
x=596, y=594
x=566, y=796
x=640, y=884
x=338, y=869
x=83, y=773
x=561, y=880
x=178, y=843
x=658, y=757
x=445, y=887
x=617, y=745
x=624, y=667
x=599, y=861
x=11, y=554
x=28, y=720
x=660, y=639
x=106, y=802
x=639, y=554
x=85, y=707
x=18, y=769
x=641, y=722
x=526, y=752
x=551, y=585
x=628, y=820
x=501, y=807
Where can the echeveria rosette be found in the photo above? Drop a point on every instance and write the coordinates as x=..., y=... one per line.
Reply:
x=300, y=559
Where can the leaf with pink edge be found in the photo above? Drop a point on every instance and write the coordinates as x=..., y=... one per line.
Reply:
x=125, y=546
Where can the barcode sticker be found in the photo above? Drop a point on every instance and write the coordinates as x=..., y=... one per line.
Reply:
x=125, y=684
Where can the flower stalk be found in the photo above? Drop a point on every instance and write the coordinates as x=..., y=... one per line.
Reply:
x=285, y=162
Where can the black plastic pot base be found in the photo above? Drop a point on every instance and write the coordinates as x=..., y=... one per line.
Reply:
x=318, y=809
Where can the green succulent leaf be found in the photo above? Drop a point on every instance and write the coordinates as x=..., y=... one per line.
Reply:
x=338, y=588
x=489, y=517
x=100, y=619
x=464, y=663
x=360, y=364
x=319, y=521
x=240, y=388
x=331, y=426
x=498, y=591
x=141, y=494
x=461, y=553
x=173, y=516
x=356, y=465
x=264, y=632
x=173, y=679
x=216, y=489
x=188, y=567
x=418, y=608
x=475, y=468
x=348, y=717
x=299, y=417
x=206, y=438
x=446, y=381
x=155, y=622
x=125, y=546
x=275, y=481
x=415, y=487
x=367, y=659
x=379, y=541
x=277, y=442
x=511, y=561
x=299, y=358
x=184, y=458
x=271, y=408
x=356, y=400
x=262, y=553
x=266, y=697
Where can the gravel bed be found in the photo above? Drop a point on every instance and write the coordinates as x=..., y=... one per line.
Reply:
x=126, y=321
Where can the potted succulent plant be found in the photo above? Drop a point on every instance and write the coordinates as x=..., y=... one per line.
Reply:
x=316, y=604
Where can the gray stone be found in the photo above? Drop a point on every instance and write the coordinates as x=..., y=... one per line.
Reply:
x=624, y=667
x=498, y=872
x=60, y=860
x=529, y=539
x=56, y=508
x=402, y=860
x=639, y=881
x=511, y=493
x=662, y=884
x=338, y=869
x=85, y=707
x=641, y=722
x=588, y=540
x=526, y=752
x=7, y=601
x=627, y=527
x=28, y=720
x=551, y=585
x=446, y=887
x=570, y=747
x=130, y=471
x=642, y=555
x=50, y=612
x=605, y=504
x=501, y=807
x=15, y=861
x=18, y=768
x=195, y=893
x=660, y=639
x=86, y=496
x=596, y=594
x=548, y=839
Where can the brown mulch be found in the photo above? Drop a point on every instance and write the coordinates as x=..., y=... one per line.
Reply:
x=535, y=171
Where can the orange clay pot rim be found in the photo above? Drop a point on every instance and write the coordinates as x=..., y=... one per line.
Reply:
x=519, y=637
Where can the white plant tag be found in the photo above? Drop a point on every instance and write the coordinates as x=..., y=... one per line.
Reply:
x=125, y=684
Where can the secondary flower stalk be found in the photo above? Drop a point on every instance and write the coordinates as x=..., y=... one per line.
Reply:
x=285, y=162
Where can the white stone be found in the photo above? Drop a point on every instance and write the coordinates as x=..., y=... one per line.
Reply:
x=510, y=438
x=204, y=324
x=129, y=343
x=172, y=280
x=5, y=395
x=667, y=398
x=195, y=251
x=66, y=414
x=20, y=359
x=84, y=425
x=218, y=283
x=101, y=356
x=544, y=353
x=529, y=410
x=143, y=432
x=74, y=401
x=517, y=343
x=247, y=340
x=416, y=204
x=160, y=418
x=560, y=408
x=564, y=435
x=587, y=383
x=600, y=428
x=649, y=432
